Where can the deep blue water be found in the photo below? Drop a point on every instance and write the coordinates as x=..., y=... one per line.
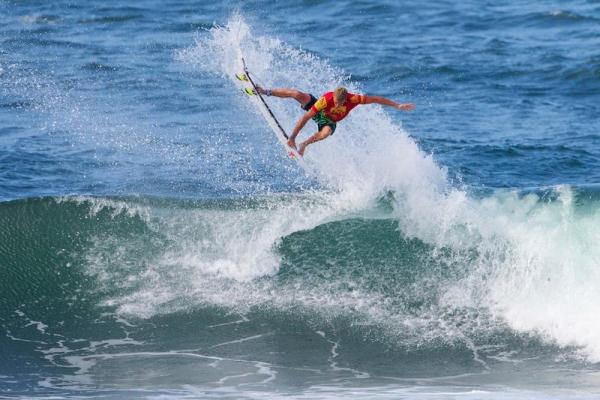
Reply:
x=155, y=239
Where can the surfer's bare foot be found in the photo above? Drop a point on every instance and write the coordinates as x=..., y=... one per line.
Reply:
x=262, y=90
x=302, y=148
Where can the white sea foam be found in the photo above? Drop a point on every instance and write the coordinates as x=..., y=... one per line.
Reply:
x=531, y=263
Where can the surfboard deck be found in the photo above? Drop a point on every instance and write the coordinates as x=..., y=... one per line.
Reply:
x=247, y=84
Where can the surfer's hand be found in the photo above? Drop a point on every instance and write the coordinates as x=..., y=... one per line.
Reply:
x=405, y=107
x=292, y=142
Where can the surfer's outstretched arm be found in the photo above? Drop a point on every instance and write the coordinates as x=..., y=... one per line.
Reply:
x=299, y=125
x=387, y=102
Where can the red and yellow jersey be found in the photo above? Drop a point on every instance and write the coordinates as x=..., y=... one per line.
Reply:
x=326, y=104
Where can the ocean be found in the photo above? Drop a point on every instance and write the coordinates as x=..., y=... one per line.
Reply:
x=157, y=242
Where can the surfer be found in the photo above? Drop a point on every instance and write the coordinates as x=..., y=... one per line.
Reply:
x=327, y=111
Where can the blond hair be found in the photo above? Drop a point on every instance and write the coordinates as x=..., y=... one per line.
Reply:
x=340, y=94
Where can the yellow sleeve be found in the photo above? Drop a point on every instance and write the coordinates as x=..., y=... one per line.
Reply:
x=320, y=104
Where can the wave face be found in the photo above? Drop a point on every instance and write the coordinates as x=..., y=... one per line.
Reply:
x=95, y=287
x=202, y=263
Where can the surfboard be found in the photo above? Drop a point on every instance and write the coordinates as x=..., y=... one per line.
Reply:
x=248, y=85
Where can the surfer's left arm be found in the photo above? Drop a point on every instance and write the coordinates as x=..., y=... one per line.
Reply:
x=387, y=102
x=299, y=125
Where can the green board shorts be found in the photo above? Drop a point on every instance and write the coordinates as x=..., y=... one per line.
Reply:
x=320, y=118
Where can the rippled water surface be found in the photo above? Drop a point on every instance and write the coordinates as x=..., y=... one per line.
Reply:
x=156, y=240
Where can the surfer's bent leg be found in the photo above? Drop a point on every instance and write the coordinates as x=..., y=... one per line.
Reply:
x=299, y=96
x=325, y=132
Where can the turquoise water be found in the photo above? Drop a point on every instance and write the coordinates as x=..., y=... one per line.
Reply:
x=156, y=241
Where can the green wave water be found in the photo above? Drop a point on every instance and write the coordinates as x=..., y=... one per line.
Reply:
x=103, y=292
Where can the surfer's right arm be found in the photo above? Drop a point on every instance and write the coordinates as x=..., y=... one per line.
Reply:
x=299, y=125
x=387, y=102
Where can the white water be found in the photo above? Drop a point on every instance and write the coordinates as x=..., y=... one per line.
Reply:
x=536, y=264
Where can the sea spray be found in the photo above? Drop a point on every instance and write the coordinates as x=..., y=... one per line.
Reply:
x=503, y=244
